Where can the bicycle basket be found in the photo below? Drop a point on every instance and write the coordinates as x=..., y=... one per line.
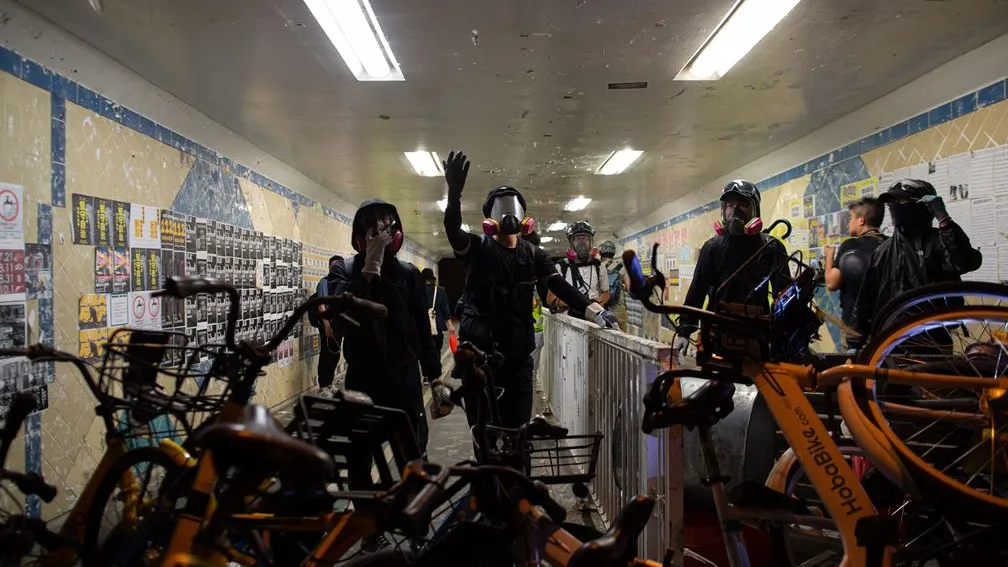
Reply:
x=365, y=441
x=156, y=385
x=552, y=460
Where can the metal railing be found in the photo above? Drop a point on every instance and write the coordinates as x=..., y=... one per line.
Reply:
x=594, y=381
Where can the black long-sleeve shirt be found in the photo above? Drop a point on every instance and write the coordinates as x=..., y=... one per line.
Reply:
x=720, y=257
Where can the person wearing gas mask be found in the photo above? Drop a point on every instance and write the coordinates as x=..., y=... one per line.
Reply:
x=501, y=274
x=618, y=282
x=739, y=237
x=582, y=267
x=385, y=357
x=846, y=264
x=917, y=254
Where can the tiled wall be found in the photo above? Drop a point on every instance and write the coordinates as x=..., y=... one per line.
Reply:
x=976, y=121
x=60, y=138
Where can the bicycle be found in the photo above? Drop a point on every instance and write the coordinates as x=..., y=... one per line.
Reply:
x=173, y=530
x=19, y=535
x=734, y=348
x=133, y=416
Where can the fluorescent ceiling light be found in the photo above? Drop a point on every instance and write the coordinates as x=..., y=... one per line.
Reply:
x=353, y=29
x=743, y=27
x=578, y=203
x=618, y=161
x=425, y=164
x=546, y=239
x=558, y=225
x=443, y=204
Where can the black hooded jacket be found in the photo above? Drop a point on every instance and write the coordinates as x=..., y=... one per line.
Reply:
x=378, y=352
x=911, y=259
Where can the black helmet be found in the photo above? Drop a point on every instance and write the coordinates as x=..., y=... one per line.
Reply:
x=744, y=189
x=580, y=227
x=907, y=188
x=607, y=249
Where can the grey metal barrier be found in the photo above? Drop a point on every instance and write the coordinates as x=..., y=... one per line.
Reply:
x=594, y=381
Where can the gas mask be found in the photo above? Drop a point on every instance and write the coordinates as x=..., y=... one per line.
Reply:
x=737, y=223
x=582, y=245
x=910, y=216
x=507, y=216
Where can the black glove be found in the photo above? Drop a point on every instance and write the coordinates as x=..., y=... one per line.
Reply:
x=936, y=206
x=456, y=169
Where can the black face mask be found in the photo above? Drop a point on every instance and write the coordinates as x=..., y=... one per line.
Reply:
x=735, y=226
x=910, y=216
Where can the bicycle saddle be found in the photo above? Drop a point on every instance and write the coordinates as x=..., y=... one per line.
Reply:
x=617, y=544
x=703, y=408
x=258, y=443
x=538, y=427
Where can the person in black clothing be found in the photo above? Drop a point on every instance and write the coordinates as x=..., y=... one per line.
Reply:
x=917, y=254
x=501, y=274
x=439, y=305
x=846, y=264
x=739, y=237
x=329, y=352
x=385, y=357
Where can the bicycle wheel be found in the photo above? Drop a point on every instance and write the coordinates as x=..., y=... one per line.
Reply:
x=947, y=439
x=940, y=295
x=134, y=528
x=924, y=535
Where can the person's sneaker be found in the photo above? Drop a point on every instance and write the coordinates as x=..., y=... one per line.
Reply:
x=374, y=542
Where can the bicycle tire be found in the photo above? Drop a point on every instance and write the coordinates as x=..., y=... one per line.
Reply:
x=950, y=496
x=899, y=305
x=92, y=554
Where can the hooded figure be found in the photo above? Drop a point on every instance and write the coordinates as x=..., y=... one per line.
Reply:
x=739, y=238
x=385, y=357
x=917, y=254
x=329, y=352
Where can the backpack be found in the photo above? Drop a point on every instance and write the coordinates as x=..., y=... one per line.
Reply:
x=615, y=284
x=576, y=279
x=313, y=315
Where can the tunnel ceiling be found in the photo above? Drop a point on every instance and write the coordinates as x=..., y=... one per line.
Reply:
x=522, y=86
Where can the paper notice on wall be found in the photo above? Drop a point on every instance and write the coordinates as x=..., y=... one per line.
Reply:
x=938, y=174
x=11, y=216
x=13, y=329
x=12, y=275
x=988, y=271
x=1002, y=256
x=145, y=231
x=118, y=310
x=979, y=178
x=1001, y=238
x=983, y=218
x=144, y=311
x=795, y=208
x=919, y=170
x=686, y=271
x=104, y=268
x=808, y=206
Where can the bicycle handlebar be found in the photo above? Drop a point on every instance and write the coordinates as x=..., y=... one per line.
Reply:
x=21, y=406
x=417, y=513
x=184, y=287
x=30, y=483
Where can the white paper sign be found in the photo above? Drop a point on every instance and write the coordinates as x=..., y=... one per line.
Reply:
x=144, y=311
x=118, y=310
x=11, y=216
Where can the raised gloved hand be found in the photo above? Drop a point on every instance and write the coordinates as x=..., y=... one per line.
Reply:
x=440, y=404
x=456, y=169
x=936, y=206
x=374, y=251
